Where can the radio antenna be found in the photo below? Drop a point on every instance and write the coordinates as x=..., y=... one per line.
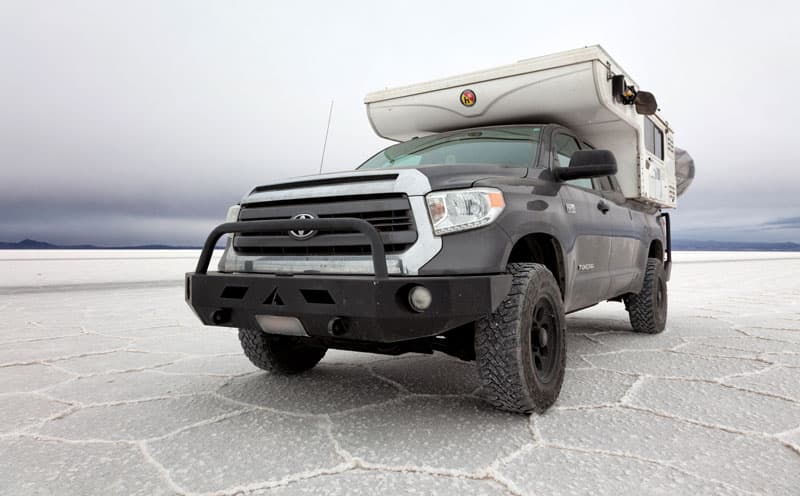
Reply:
x=325, y=143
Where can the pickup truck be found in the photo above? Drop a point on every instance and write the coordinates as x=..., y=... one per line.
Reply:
x=474, y=242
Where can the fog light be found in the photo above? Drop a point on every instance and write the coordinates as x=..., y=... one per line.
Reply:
x=419, y=298
x=221, y=316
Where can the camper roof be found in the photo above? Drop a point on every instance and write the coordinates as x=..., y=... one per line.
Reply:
x=569, y=57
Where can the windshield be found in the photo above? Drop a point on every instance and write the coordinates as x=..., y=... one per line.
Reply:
x=504, y=146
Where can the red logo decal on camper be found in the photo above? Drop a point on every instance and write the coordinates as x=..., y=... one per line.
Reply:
x=468, y=98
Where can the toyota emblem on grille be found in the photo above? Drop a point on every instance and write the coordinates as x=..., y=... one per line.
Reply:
x=301, y=235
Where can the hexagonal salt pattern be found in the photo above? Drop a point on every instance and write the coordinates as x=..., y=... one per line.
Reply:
x=779, y=381
x=223, y=365
x=374, y=482
x=425, y=376
x=98, y=399
x=665, y=363
x=432, y=432
x=551, y=470
x=48, y=349
x=140, y=419
x=246, y=450
x=584, y=387
x=325, y=389
x=784, y=335
x=24, y=378
x=128, y=386
x=792, y=439
x=751, y=463
x=44, y=467
x=732, y=408
x=19, y=410
x=115, y=361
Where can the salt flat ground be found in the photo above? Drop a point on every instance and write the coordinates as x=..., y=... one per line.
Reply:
x=109, y=385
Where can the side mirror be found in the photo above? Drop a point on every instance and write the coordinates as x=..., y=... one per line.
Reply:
x=588, y=163
x=645, y=103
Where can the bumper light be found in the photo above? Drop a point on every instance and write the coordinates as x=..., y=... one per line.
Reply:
x=420, y=298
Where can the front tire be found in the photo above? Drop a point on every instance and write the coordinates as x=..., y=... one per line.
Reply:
x=281, y=355
x=648, y=309
x=520, y=348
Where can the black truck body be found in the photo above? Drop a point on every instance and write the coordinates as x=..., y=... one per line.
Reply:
x=605, y=235
x=321, y=259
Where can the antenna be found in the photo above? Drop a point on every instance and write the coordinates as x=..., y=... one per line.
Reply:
x=325, y=143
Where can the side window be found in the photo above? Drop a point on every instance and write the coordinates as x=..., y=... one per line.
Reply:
x=564, y=146
x=653, y=139
x=606, y=183
x=603, y=184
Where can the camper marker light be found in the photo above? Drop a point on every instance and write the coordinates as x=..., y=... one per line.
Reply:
x=463, y=209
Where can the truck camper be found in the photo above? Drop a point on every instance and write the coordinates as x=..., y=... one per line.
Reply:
x=514, y=196
x=584, y=90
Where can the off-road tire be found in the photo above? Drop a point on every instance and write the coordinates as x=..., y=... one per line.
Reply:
x=281, y=355
x=506, y=347
x=648, y=309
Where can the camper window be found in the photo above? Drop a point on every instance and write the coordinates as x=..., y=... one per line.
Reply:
x=653, y=139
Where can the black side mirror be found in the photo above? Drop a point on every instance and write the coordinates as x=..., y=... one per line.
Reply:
x=645, y=103
x=588, y=163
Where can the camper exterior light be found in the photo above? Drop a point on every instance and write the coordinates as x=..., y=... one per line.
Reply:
x=460, y=210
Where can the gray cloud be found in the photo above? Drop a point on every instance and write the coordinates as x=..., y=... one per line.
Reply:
x=143, y=121
x=790, y=222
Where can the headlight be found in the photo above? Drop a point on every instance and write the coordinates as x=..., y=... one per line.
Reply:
x=463, y=209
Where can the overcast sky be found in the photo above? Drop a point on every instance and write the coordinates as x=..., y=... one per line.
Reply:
x=140, y=122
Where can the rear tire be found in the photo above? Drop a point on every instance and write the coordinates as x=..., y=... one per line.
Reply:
x=520, y=348
x=648, y=309
x=281, y=355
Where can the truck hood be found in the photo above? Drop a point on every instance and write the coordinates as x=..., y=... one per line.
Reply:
x=464, y=176
x=438, y=176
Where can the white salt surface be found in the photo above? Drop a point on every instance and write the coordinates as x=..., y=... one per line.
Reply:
x=109, y=385
x=37, y=268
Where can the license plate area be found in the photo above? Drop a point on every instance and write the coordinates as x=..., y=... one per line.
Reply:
x=279, y=324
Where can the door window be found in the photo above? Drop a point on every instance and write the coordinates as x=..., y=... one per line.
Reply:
x=565, y=146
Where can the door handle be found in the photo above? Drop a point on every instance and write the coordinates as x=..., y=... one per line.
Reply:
x=603, y=207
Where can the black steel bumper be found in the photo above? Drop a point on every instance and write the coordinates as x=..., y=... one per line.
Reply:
x=363, y=308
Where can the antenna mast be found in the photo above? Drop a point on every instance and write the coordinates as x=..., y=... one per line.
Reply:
x=325, y=143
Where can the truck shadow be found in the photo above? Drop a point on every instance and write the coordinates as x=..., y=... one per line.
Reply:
x=338, y=385
x=351, y=382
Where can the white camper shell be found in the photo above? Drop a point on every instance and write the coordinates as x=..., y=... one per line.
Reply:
x=572, y=88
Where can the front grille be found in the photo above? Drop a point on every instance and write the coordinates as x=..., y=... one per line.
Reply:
x=389, y=214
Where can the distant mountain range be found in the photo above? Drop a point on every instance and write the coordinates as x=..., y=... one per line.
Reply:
x=32, y=244
x=693, y=245
x=677, y=244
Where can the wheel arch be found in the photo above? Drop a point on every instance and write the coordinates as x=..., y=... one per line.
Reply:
x=656, y=250
x=541, y=248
